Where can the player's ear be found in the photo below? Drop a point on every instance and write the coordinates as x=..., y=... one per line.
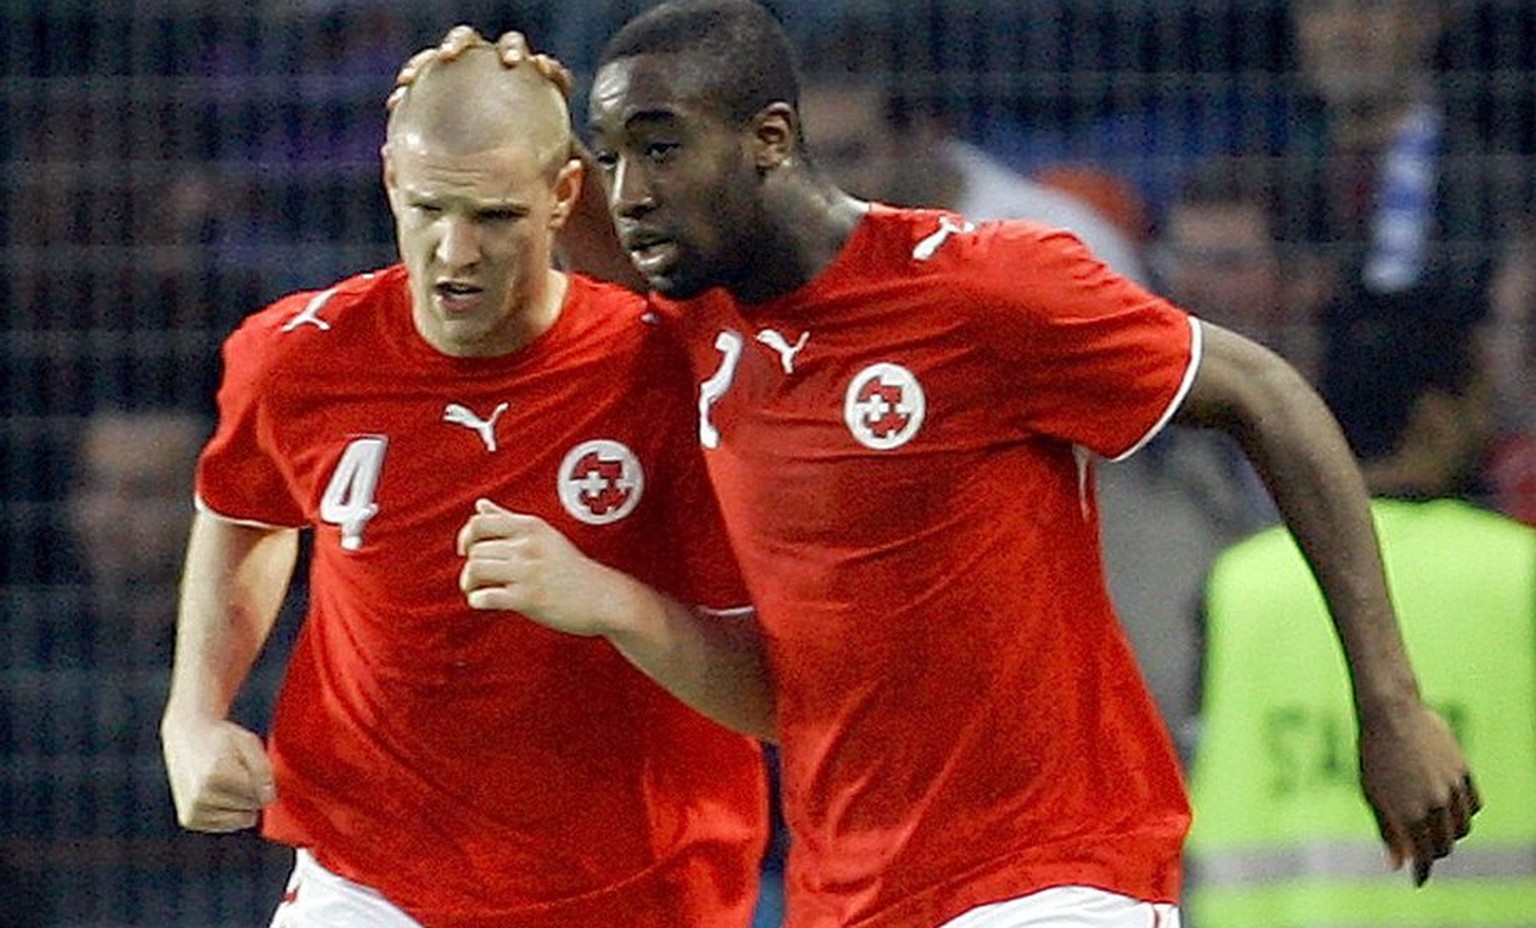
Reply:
x=567, y=191
x=774, y=130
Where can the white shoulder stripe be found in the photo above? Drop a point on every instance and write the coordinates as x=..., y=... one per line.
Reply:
x=1196, y=344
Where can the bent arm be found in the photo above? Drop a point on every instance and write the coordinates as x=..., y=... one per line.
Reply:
x=714, y=663
x=1296, y=446
x=1413, y=773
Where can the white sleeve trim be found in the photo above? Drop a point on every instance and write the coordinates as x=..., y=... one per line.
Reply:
x=204, y=508
x=733, y=612
x=1196, y=345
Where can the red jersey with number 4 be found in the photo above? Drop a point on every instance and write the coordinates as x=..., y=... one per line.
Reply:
x=898, y=449
x=480, y=770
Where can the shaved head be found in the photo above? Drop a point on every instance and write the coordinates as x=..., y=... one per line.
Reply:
x=480, y=169
x=473, y=103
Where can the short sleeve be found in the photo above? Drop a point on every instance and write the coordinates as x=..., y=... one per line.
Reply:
x=238, y=475
x=1079, y=352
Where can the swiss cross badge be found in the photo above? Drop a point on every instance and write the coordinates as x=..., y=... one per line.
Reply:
x=600, y=481
x=884, y=406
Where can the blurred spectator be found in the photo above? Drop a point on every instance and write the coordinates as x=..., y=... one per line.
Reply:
x=128, y=518
x=291, y=97
x=1394, y=178
x=1512, y=356
x=88, y=822
x=901, y=151
x=1361, y=322
x=1384, y=151
x=1109, y=194
x=1391, y=180
x=1281, y=836
x=1144, y=89
x=1223, y=253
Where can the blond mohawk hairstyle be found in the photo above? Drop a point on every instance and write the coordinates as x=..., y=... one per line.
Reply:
x=512, y=49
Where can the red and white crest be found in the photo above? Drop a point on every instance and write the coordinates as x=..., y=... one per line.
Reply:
x=884, y=406
x=601, y=481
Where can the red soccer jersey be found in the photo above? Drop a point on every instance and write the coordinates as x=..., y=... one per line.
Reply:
x=895, y=447
x=478, y=769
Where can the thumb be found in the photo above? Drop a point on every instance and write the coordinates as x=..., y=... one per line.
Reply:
x=249, y=748
x=485, y=507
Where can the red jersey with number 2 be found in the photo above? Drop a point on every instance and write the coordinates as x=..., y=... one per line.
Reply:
x=480, y=770
x=899, y=452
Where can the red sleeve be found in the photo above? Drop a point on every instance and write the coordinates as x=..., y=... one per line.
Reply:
x=239, y=475
x=1080, y=353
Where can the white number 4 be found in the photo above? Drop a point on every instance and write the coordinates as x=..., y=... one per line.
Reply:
x=348, y=498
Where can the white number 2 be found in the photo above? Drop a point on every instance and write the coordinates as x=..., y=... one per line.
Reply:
x=348, y=498
x=729, y=345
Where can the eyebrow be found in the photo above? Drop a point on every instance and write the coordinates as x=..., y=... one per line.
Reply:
x=641, y=118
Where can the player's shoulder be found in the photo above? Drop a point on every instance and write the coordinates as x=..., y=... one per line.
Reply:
x=621, y=319
x=966, y=256
x=981, y=265
x=636, y=342
x=604, y=298
x=939, y=238
x=307, y=320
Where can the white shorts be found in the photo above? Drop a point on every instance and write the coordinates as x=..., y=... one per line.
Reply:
x=1070, y=907
x=318, y=898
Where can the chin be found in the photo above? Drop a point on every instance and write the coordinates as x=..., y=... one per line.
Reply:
x=675, y=287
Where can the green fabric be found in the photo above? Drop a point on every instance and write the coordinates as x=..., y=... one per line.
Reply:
x=1275, y=785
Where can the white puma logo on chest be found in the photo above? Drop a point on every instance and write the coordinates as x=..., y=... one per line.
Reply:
x=485, y=428
x=781, y=344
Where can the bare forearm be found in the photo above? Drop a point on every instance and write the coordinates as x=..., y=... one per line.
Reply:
x=713, y=663
x=232, y=588
x=1297, y=448
x=1319, y=492
x=1413, y=774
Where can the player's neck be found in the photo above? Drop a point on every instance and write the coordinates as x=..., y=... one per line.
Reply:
x=809, y=222
x=545, y=301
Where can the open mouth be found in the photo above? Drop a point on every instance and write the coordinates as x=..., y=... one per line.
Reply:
x=454, y=295
x=650, y=253
x=654, y=258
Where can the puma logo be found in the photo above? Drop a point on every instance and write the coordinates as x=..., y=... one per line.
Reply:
x=310, y=314
x=926, y=248
x=485, y=428
x=780, y=344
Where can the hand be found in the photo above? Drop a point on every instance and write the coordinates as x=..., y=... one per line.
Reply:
x=1417, y=783
x=220, y=775
x=511, y=47
x=520, y=563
